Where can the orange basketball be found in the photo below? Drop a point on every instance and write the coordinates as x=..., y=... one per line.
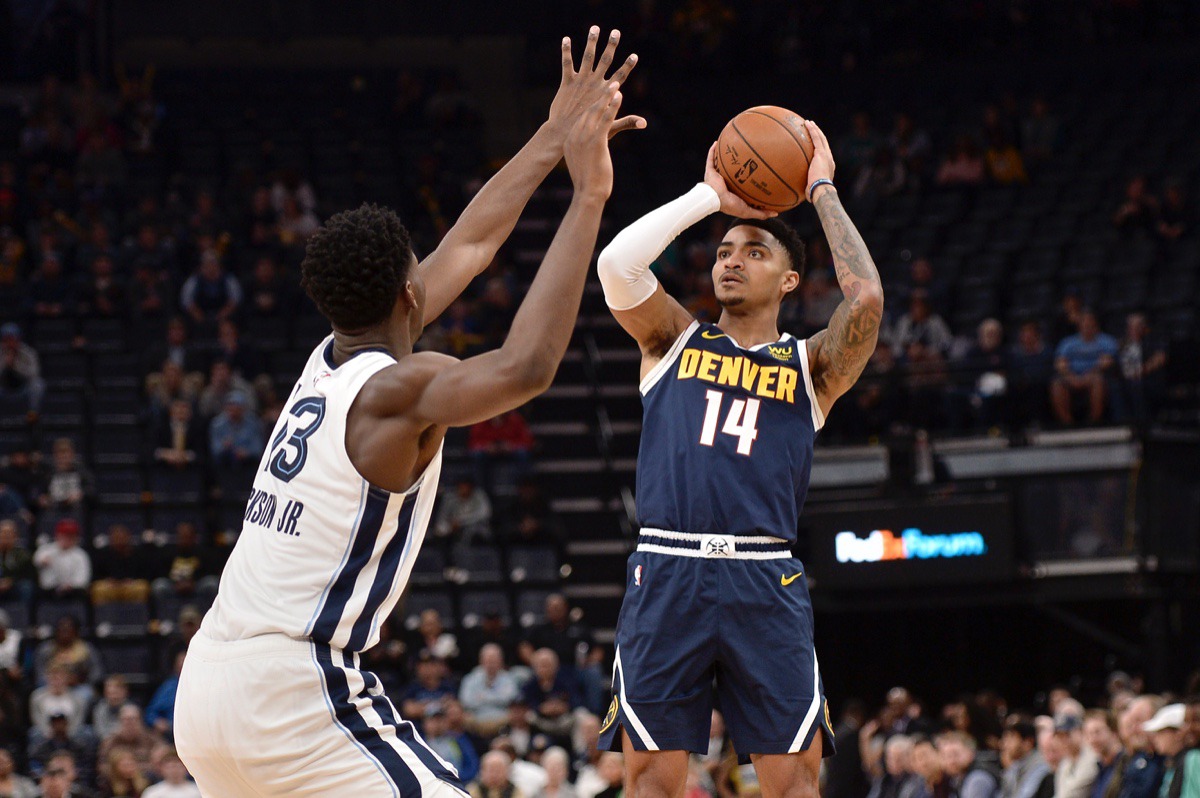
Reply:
x=763, y=154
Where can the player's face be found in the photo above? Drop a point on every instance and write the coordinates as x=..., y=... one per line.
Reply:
x=752, y=269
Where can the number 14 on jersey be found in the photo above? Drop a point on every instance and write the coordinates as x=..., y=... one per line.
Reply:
x=741, y=421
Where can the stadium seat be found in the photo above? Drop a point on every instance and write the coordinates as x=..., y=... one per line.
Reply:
x=130, y=658
x=48, y=610
x=121, y=619
x=475, y=604
x=117, y=485
x=417, y=602
x=531, y=606
x=429, y=569
x=533, y=564
x=170, y=484
x=479, y=565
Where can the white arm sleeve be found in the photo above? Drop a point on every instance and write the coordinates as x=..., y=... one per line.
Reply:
x=624, y=265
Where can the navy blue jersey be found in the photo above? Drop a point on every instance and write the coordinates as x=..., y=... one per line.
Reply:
x=727, y=437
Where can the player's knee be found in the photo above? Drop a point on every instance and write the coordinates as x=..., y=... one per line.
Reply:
x=656, y=780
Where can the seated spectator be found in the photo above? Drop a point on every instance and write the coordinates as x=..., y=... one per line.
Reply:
x=1068, y=316
x=1030, y=370
x=64, y=569
x=978, y=402
x=457, y=749
x=884, y=176
x=235, y=434
x=121, y=569
x=106, y=714
x=149, y=253
x=222, y=383
x=187, y=571
x=56, y=699
x=504, y=439
x=921, y=325
x=1100, y=735
x=431, y=636
x=130, y=735
x=13, y=784
x=210, y=294
x=17, y=572
x=176, y=348
x=518, y=731
x=1026, y=773
x=1039, y=132
x=1083, y=363
x=464, y=513
x=530, y=519
x=491, y=629
x=121, y=776
x=1143, y=361
x=10, y=650
x=50, y=294
x=267, y=293
x=186, y=627
x=927, y=763
x=487, y=691
x=296, y=225
x=611, y=770
x=20, y=369
x=963, y=166
x=102, y=294
x=552, y=694
x=62, y=777
x=79, y=742
x=1175, y=217
x=921, y=276
x=179, y=439
x=431, y=686
x=911, y=144
x=898, y=779
x=69, y=485
x=526, y=774
x=1004, y=161
x=68, y=650
x=557, y=764
x=1075, y=774
x=1138, y=212
x=963, y=769
x=175, y=783
x=571, y=640
x=494, y=781
x=858, y=148
x=243, y=358
x=160, y=711
x=289, y=184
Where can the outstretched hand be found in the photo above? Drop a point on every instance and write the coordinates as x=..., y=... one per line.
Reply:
x=581, y=89
x=822, y=166
x=731, y=204
x=586, y=147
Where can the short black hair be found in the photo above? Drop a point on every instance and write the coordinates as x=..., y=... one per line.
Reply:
x=784, y=233
x=355, y=266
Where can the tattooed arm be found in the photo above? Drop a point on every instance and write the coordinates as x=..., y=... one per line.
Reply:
x=838, y=354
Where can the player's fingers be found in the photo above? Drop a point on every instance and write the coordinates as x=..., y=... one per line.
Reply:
x=610, y=51
x=568, y=61
x=610, y=113
x=589, y=51
x=626, y=123
x=816, y=134
x=621, y=74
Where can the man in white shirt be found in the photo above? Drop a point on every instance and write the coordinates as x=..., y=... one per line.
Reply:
x=1078, y=769
x=63, y=567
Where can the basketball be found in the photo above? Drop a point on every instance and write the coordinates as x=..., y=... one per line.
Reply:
x=763, y=154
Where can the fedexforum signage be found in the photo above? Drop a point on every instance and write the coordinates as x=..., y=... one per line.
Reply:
x=883, y=544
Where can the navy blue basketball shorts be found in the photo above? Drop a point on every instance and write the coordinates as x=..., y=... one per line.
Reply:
x=714, y=621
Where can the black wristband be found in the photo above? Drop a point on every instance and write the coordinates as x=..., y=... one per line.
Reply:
x=820, y=182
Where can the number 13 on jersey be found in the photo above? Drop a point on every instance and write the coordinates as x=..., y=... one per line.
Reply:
x=741, y=422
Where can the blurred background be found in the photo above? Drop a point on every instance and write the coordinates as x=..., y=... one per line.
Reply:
x=1025, y=173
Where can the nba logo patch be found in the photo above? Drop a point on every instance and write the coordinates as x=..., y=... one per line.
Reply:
x=320, y=377
x=637, y=576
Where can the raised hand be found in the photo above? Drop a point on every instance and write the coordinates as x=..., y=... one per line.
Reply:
x=586, y=148
x=822, y=165
x=579, y=89
x=731, y=203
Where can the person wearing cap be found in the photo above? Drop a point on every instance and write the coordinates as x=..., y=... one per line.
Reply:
x=1181, y=768
x=1025, y=770
x=20, y=369
x=1100, y=734
x=1139, y=773
x=235, y=434
x=430, y=686
x=1079, y=767
x=456, y=749
x=64, y=568
x=62, y=736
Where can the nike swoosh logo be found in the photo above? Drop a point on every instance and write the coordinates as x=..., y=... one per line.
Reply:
x=787, y=580
x=711, y=337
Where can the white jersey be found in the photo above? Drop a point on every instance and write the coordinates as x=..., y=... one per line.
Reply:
x=323, y=554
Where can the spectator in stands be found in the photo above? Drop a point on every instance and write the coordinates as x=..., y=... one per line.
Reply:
x=103, y=293
x=1077, y=772
x=242, y=357
x=64, y=569
x=921, y=325
x=884, y=176
x=922, y=276
x=963, y=166
x=388, y=659
x=223, y=383
x=10, y=650
x=487, y=691
x=290, y=185
x=56, y=699
x=69, y=484
x=557, y=764
x=456, y=749
x=176, y=348
x=464, y=513
x=210, y=294
x=571, y=640
x=259, y=224
x=1083, y=362
x=179, y=440
x=431, y=686
x=1166, y=730
x=61, y=736
x=530, y=519
x=267, y=293
x=1141, y=774
x=1069, y=315
x=187, y=571
x=1191, y=738
x=927, y=763
x=20, y=367
x=51, y=294
x=912, y=146
x=1026, y=773
x=494, y=781
x=898, y=779
x=296, y=225
x=175, y=783
x=431, y=636
x=106, y=713
x=1030, y=370
x=61, y=777
x=491, y=629
x=13, y=784
x=859, y=147
x=819, y=297
x=1039, y=132
x=149, y=254
x=518, y=731
x=611, y=770
x=235, y=435
x=502, y=440
x=130, y=735
x=270, y=405
x=1100, y=734
x=964, y=771
x=17, y=572
x=160, y=711
x=187, y=624
x=552, y=693
x=1005, y=165
x=1143, y=361
x=12, y=505
x=121, y=569
x=1138, y=212
x=67, y=649
x=984, y=385
x=120, y=775
x=1175, y=217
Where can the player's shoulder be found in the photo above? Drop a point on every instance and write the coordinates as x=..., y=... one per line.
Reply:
x=397, y=386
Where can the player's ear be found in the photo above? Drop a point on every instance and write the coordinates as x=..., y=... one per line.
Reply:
x=409, y=295
x=791, y=281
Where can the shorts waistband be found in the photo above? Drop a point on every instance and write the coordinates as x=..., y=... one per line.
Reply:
x=714, y=547
x=257, y=647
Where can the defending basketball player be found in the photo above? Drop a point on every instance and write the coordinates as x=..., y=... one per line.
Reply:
x=730, y=413
x=271, y=701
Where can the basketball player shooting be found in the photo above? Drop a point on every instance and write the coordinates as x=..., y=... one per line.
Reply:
x=730, y=413
x=271, y=701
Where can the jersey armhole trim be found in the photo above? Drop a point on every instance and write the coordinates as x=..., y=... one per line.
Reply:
x=660, y=368
x=818, y=418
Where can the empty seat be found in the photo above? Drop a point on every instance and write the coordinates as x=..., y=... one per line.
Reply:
x=65, y=370
x=171, y=484
x=18, y=614
x=119, y=485
x=429, y=569
x=116, y=444
x=50, y=610
x=478, y=603
x=479, y=564
x=130, y=658
x=121, y=619
x=531, y=606
x=418, y=602
x=533, y=564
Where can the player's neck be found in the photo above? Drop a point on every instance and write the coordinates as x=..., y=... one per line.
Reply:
x=347, y=345
x=750, y=329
